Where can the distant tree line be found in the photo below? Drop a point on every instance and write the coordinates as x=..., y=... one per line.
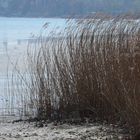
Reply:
x=55, y=8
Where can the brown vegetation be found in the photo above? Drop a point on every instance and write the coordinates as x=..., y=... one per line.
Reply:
x=94, y=71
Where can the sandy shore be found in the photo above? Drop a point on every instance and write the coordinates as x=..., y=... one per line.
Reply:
x=26, y=131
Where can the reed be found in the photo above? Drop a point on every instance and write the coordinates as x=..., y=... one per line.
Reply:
x=92, y=71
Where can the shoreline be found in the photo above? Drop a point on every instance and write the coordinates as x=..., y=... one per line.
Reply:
x=57, y=131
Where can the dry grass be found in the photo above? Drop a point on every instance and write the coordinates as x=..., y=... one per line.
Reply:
x=93, y=71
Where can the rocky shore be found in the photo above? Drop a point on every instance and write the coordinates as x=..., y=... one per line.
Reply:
x=55, y=131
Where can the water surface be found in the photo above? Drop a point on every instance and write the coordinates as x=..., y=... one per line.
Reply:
x=14, y=36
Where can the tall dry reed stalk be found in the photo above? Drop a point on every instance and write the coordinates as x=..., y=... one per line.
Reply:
x=92, y=71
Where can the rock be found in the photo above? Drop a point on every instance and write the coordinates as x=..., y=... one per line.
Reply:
x=71, y=132
x=56, y=132
x=40, y=124
x=34, y=134
x=17, y=136
x=55, y=123
x=16, y=121
x=46, y=125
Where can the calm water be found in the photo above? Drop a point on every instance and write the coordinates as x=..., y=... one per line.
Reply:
x=13, y=31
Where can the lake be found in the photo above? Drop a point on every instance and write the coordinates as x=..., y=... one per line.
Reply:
x=13, y=29
x=14, y=36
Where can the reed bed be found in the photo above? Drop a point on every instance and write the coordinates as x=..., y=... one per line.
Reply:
x=91, y=70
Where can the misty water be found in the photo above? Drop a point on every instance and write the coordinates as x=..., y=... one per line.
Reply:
x=15, y=35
